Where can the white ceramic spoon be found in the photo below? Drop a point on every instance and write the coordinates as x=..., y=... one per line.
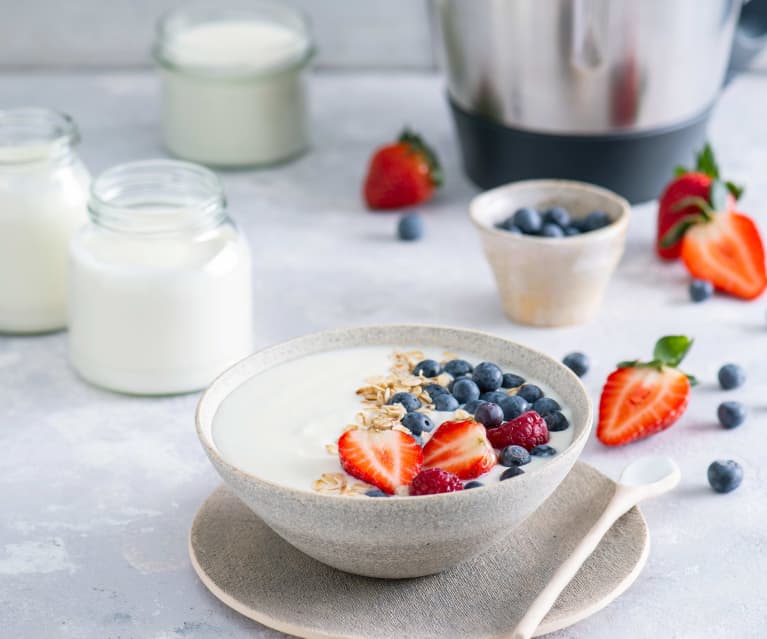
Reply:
x=646, y=477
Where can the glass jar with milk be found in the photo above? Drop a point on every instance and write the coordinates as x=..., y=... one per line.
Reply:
x=233, y=77
x=160, y=285
x=43, y=200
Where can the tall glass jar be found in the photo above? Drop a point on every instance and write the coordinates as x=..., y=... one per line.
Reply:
x=43, y=200
x=160, y=286
x=233, y=82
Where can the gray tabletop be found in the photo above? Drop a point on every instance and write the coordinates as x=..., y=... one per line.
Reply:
x=98, y=490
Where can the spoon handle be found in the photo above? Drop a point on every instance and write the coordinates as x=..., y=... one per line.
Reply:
x=621, y=502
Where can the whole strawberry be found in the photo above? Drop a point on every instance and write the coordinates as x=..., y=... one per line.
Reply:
x=685, y=185
x=720, y=245
x=404, y=173
x=643, y=398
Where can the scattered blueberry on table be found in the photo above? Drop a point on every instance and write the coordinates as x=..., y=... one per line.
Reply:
x=731, y=414
x=701, y=290
x=731, y=376
x=410, y=227
x=724, y=476
x=577, y=362
x=556, y=222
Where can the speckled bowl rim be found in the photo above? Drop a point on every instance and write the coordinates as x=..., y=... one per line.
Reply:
x=616, y=227
x=233, y=378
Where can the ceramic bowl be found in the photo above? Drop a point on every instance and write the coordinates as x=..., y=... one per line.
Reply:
x=551, y=281
x=402, y=536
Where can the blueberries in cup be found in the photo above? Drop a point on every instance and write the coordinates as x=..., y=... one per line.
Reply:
x=553, y=222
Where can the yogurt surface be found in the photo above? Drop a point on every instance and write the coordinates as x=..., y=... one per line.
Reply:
x=277, y=425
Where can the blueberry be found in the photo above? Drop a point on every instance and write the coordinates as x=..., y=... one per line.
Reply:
x=514, y=456
x=418, y=440
x=543, y=451
x=725, y=475
x=551, y=230
x=409, y=401
x=488, y=376
x=731, y=414
x=410, y=227
x=572, y=230
x=545, y=405
x=510, y=380
x=473, y=405
x=472, y=484
x=465, y=389
x=557, y=215
x=417, y=423
x=513, y=406
x=427, y=368
x=508, y=225
x=458, y=367
x=446, y=402
x=513, y=229
x=731, y=376
x=375, y=492
x=701, y=290
x=530, y=392
x=577, y=362
x=489, y=415
x=493, y=396
x=451, y=385
x=528, y=220
x=435, y=389
x=556, y=421
x=594, y=221
x=512, y=471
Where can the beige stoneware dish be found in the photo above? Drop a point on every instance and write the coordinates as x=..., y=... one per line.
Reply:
x=403, y=536
x=551, y=281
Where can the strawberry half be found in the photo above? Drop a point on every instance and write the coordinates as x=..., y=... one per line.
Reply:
x=387, y=459
x=721, y=246
x=461, y=448
x=643, y=398
x=401, y=174
x=686, y=185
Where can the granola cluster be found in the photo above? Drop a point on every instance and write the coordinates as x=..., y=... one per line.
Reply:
x=337, y=484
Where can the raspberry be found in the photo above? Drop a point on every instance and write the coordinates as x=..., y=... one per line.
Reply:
x=528, y=430
x=433, y=481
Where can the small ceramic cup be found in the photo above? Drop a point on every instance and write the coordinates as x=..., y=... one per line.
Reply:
x=551, y=281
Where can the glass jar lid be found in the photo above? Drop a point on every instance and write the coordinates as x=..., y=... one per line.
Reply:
x=233, y=39
x=33, y=134
x=157, y=196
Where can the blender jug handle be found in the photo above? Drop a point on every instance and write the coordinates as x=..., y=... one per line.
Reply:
x=750, y=36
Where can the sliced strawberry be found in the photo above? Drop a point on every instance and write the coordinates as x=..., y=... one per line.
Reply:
x=727, y=250
x=641, y=399
x=461, y=448
x=401, y=174
x=387, y=459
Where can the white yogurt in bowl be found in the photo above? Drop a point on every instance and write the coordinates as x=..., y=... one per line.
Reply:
x=282, y=424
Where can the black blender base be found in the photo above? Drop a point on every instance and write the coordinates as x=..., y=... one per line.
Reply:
x=635, y=165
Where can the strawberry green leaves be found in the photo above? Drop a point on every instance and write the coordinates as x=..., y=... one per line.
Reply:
x=705, y=162
x=706, y=210
x=669, y=351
